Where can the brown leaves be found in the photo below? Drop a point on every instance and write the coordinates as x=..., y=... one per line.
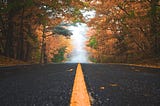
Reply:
x=113, y=84
x=123, y=28
x=110, y=85
x=56, y=42
x=102, y=88
x=70, y=70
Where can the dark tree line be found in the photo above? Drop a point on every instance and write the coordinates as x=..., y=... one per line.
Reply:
x=16, y=29
x=19, y=20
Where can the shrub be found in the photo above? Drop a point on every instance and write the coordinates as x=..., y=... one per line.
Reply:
x=60, y=56
x=93, y=42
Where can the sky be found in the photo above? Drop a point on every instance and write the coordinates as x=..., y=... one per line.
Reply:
x=79, y=38
x=88, y=14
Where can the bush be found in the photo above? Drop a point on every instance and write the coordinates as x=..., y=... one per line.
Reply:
x=93, y=42
x=60, y=56
x=92, y=59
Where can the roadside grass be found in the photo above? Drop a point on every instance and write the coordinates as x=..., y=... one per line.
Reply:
x=6, y=61
x=140, y=65
x=148, y=62
x=152, y=62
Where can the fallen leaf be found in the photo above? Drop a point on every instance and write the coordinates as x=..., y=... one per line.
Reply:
x=113, y=85
x=137, y=70
x=70, y=70
x=102, y=87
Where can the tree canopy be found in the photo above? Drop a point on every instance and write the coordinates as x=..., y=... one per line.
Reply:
x=125, y=30
x=61, y=30
x=20, y=20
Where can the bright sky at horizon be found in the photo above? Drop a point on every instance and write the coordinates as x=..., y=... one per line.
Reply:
x=79, y=53
x=88, y=14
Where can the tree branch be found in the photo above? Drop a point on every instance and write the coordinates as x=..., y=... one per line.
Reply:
x=123, y=9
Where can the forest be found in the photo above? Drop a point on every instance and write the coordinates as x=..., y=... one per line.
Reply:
x=123, y=31
x=127, y=31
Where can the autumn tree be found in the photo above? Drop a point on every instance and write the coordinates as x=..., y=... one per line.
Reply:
x=126, y=30
x=19, y=21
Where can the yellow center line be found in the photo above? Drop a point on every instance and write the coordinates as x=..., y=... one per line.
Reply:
x=80, y=95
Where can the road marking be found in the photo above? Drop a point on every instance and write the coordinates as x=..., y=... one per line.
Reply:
x=80, y=95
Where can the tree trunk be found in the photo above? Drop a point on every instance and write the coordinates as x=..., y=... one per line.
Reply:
x=21, y=34
x=9, y=38
x=27, y=51
x=3, y=34
x=43, y=57
x=154, y=27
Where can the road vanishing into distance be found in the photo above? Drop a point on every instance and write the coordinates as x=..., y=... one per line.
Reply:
x=52, y=84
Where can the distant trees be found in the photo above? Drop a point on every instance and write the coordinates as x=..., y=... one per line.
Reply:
x=61, y=30
x=92, y=42
x=59, y=57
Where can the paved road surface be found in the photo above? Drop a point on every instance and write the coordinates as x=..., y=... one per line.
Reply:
x=37, y=85
x=120, y=85
x=51, y=85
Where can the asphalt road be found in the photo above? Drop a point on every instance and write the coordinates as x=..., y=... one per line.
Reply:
x=51, y=85
x=121, y=85
x=36, y=85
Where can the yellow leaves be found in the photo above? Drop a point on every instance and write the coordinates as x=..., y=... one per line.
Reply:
x=113, y=84
x=39, y=33
x=102, y=88
x=77, y=3
x=70, y=70
x=91, y=32
x=55, y=21
x=136, y=70
x=110, y=85
x=122, y=27
x=54, y=43
x=109, y=32
x=6, y=61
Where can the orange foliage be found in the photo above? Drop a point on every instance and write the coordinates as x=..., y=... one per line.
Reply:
x=54, y=43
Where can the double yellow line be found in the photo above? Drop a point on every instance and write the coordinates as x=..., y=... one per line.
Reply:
x=80, y=95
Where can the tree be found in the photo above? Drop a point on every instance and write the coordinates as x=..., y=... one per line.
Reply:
x=62, y=31
x=19, y=21
x=134, y=27
x=155, y=24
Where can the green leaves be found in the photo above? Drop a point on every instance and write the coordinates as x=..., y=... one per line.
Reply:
x=60, y=56
x=77, y=11
x=62, y=31
x=29, y=3
x=15, y=6
x=131, y=14
x=93, y=42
